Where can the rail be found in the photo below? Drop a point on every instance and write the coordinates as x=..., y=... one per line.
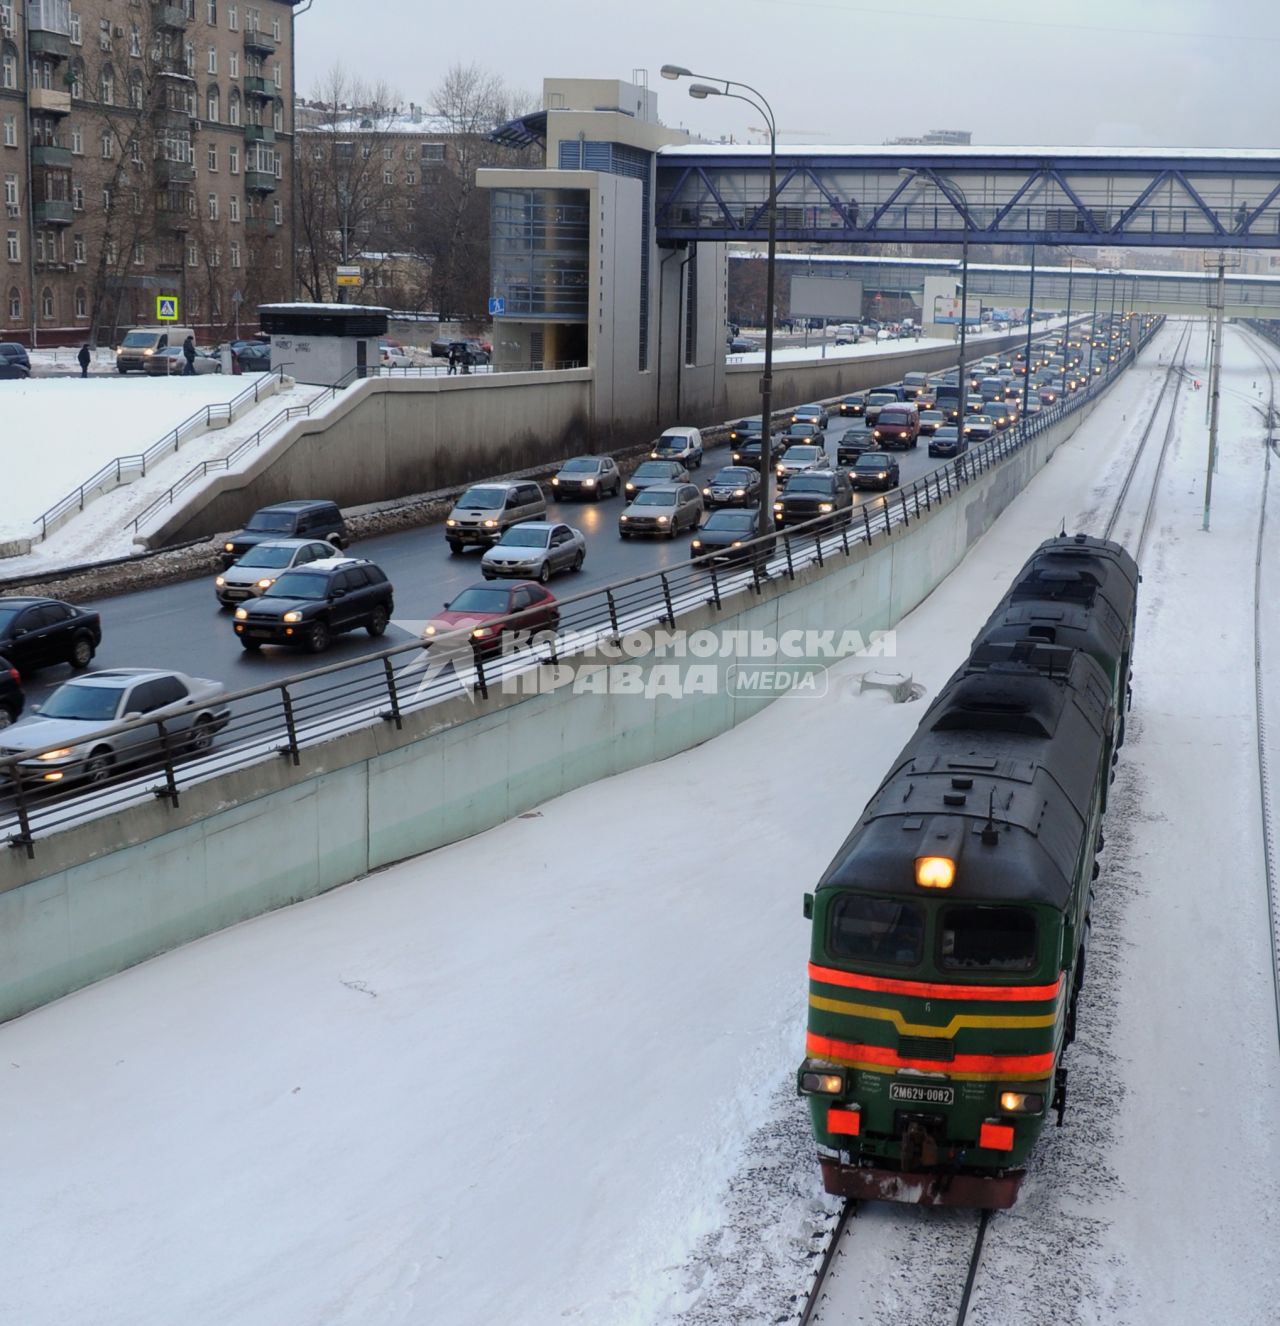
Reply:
x=280, y=718
x=123, y=469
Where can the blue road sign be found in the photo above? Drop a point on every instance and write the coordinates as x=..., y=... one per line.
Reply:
x=497, y=304
x=166, y=308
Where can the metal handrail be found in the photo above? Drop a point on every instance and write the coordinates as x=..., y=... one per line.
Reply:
x=279, y=718
x=170, y=442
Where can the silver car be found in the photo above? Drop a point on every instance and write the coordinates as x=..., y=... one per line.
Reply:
x=72, y=719
x=666, y=508
x=798, y=459
x=650, y=472
x=535, y=550
x=258, y=569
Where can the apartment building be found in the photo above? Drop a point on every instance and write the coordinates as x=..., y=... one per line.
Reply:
x=145, y=149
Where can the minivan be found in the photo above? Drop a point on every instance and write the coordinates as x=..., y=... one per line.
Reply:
x=898, y=426
x=487, y=510
x=140, y=343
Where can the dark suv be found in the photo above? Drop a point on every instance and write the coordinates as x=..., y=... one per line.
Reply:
x=303, y=519
x=309, y=605
x=812, y=494
x=12, y=701
x=14, y=360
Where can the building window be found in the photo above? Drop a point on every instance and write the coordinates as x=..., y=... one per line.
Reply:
x=77, y=248
x=135, y=152
x=108, y=145
x=232, y=21
x=233, y=67
x=275, y=28
x=433, y=151
x=233, y=106
x=77, y=79
x=135, y=41
x=46, y=304
x=213, y=60
x=277, y=214
x=107, y=87
x=10, y=131
x=388, y=177
x=82, y=302
x=235, y=253
x=213, y=207
x=39, y=246
x=77, y=197
x=275, y=256
x=135, y=91
x=104, y=34
x=233, y=208
x=411, y=152
x=193, y=255
x=387, y=153
x=139, y=253
x=212, y=103
x=213, y=156
x=106, y=200
x=215, y=256
x=9, y=68
x=211, y=11
x=77, y=30
x=411, y=177
x=15, y=304
x=11, y=190
x=77, y=141
x=233, y=160
x=112, y=253
x=277, y=117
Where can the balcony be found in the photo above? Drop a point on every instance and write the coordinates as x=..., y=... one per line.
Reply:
x=54, y=212
x=259, y=133
x=53, y=158
x=262, y=42
x=259, y=181
x=48, y=101
x=174, y=172
x=176, y=210
x=54, y=45
x=255, y=226
x=49, y=28
x=262, y=88
x=171, y=18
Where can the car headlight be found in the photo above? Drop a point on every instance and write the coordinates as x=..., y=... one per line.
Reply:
x=267, y=583
x=777, y=506
x=294, y=616
x=228, y=547
x=662, y=520
x=451, y=521
x=588, y=483
x=697, y=543
x=490, y=524
x=631, y=488
x=739, y=492
x=481, y=632
x=242, y=614
x=220, y=581
x=554, y=482
x=1021, y=1102
x=60, y=754
x=825, y=506
x=429, y=630
x=624, y=518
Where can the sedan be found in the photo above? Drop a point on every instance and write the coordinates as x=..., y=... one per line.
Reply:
x=795, y=460
x=853, y=406
x=947, y=441
x=875, y=469
x=979, y=427
x=729, y=538
x=588, y=476
x=800, y=434
x=650, y=472
x=493, y=618
x=811, y=414
x=931, y=421
x=261, y=566
x=37, y=633
x=663, y=509
x=748, y=451
x=535, y=550
x=855, y=440
x=71, y=722
x=745, y=428
x=735, y=485
x=742, y=345
x=173, y=363
x=12, y=700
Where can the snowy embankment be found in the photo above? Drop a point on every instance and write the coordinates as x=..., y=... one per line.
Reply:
x=514, y=1080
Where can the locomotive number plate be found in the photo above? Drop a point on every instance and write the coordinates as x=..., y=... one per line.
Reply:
x=922, y=1095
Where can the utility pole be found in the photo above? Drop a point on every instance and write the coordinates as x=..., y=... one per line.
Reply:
x=1215, y=373
x=1026, y=356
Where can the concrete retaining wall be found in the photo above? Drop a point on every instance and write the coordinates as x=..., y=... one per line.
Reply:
x=104, y=895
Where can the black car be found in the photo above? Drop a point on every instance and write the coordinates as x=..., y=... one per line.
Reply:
x=311, y=604
x=946, y=441
x=730, y=538
x=854, y=406
x=307, y=518
x=12, y=700
x=37, y=633
x=747, y=452
x=468, y=352
x=853, y=442
x=14, y=360
x=744, y=429
x=802, y=434
x=742, y=345
x=875, y=469
x=735, y=485
x=813, y=494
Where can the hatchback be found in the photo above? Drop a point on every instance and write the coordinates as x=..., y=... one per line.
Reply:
x=588, y=476
x=263, y=565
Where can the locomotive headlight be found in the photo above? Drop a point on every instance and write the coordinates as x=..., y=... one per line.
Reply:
x=1021, y=1102
x=820, y=1082
x=935, y=872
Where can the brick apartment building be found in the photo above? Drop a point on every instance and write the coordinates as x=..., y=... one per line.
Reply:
x=145, y=149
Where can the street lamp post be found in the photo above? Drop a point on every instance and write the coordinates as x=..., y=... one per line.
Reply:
x=700, y=91
x=1071, y=268
x=1093, y=326
x=1026, y=357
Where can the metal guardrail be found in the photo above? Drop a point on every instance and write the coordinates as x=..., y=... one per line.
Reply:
x=440, y=368
x=135, y=466
x=279, y=719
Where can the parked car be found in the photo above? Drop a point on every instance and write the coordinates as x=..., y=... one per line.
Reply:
x=309, y=605
x=682, y=444
x=665, y=508
x=741, y=345
x=12, y=699
x=811, y=414
x=14, y=360
x=470, y=351
x=253, y=357
x=931, y=421
x=796, y=459
x=487, y=510
x=650, y=472
x=946, y=441
x=852, y=406
x=731, y=538
x=393, y=355
x=486, y=617
x=588, y=476
x=40, y=632
x=304, y=518
x=172, y=362
x=440, y=347
x=809, y=496
x=875, y=469
x=71, y=721
x=263, y=565
x=853, y=442
x=535, y=550
x=733, y=486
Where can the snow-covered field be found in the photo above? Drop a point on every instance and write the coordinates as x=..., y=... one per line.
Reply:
x=544, y=1075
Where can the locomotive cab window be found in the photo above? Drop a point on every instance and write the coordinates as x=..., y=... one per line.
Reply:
x=994, y=939
x=885, y=930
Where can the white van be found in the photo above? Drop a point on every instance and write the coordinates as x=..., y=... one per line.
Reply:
x=682, y=444
x=140, y=343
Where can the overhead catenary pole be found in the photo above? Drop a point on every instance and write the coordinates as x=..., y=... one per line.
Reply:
x=1213, y=392
x=1026, y=358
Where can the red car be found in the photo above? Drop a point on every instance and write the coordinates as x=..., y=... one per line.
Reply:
x=481, y=612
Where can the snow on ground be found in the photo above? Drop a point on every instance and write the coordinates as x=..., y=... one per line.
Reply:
x=521, y=1079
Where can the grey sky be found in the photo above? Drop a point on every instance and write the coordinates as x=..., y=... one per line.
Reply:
x=1185, y=73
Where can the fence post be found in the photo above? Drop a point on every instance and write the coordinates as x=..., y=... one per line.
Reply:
x=290, y=727
x=866, y=521
x=817, y=547
x=715, y=586
x=791, y=569
x=390, y=674
x=902, y=494
x=477, y=658
x=613, y=614
x=170, y=789
x=666, y=595
x=23, y=837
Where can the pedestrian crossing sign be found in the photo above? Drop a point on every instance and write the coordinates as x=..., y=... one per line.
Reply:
x=166, y=308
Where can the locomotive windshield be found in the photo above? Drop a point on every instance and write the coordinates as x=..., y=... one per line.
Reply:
x=987, y=939
x=885, y=930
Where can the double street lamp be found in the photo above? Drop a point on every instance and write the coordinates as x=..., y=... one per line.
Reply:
x=700, y=91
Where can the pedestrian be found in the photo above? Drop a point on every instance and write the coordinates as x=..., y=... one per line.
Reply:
x=189, y=354
x=236, y=369
x=83, y=358
x=454, y=356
